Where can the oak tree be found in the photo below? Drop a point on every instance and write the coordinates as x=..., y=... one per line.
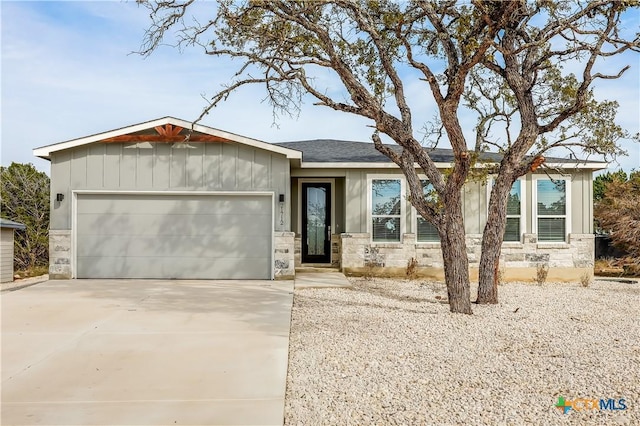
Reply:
x=500, y=60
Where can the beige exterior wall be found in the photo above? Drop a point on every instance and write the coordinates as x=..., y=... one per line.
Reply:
x=6, y=255
x=518, y=261
x=567, y=260
x=475, y=200
x=284, y=263
x=159, y=167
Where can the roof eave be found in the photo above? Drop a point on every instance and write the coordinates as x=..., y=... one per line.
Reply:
x=584, y=166
x=46, y=151
x=440, y=165
x=12, y=225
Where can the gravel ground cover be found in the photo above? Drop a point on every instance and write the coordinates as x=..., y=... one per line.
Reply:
x=389, y=352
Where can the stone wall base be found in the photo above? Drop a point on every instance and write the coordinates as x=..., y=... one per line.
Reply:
x=510, y=274
x=336, y=250
x=567, y=261
x=297, y=250
x=283, y=256
x=59, y=254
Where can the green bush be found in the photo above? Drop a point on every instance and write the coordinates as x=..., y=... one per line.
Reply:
x=25, y=199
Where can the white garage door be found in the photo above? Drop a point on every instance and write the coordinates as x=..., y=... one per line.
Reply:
x=174, y=236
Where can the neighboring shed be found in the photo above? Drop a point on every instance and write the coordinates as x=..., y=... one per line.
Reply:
x=6, y=248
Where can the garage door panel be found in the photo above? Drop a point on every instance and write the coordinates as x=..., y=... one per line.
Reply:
x=138, y=224
x=174, y=236
x=177, y=204
x=171, y=268
x=176, y=246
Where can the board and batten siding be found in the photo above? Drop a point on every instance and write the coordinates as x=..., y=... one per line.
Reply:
x=6, y=255
x=160, y=166
x=475, y=201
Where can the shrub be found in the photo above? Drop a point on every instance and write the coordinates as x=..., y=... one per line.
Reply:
x=412, y=269
x=542, y=270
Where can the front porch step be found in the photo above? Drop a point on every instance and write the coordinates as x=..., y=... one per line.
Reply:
x=315, y=269
x=320, y=278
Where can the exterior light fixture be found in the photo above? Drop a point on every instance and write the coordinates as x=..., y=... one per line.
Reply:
x=281, y=201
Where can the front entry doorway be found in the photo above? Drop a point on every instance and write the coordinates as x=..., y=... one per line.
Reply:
x=316, y=222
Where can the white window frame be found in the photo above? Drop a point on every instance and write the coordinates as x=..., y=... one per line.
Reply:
x=414, y=220
x=403, y=202
x=523, y=206
x=567, y=213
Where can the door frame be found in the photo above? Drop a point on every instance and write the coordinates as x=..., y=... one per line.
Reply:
x=332, y=185
x=79, y=192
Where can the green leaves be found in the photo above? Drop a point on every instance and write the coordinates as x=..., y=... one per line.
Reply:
x=25, y=199
x=600, y=183
x=617, y=210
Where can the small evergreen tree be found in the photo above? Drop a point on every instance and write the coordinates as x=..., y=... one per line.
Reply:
x=25, y=199
x=618, y=213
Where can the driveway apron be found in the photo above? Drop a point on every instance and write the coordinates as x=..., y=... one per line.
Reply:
x=85, y=352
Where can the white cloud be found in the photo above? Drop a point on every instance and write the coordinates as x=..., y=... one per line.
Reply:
x=67, y=72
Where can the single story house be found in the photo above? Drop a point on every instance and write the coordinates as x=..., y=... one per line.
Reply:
x=156, y=200
x=7, y=228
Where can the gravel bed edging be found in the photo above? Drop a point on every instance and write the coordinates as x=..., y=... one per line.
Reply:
x=389, y=352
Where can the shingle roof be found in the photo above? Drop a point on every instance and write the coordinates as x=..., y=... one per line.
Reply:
x=339, y=151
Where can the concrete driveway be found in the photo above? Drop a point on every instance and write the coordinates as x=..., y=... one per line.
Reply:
x=148, y=352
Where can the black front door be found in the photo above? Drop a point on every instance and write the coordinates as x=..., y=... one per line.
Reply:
x=316, y=222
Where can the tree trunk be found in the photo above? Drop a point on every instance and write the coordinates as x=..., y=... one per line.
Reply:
x=492, y=238
x=456, y=262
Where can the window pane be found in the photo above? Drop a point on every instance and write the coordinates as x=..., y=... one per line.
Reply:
x=512, y=230
x=385, y=196
x=551, y=229
x=426, y=231
x=386, y=229
x=551, y=197
x=513, y=202
x=316, y=220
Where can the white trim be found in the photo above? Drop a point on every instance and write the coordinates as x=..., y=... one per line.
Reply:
x=440, y=165
x=403, y=202
x=46, y=151
x=74, y=214
x=332, y=182
x=177, y=192
x=523, y=205
x=585, y=165
x=356, y=165
x=534, y=203
x=414, y=220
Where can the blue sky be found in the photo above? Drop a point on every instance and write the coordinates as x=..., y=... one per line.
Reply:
x=68, y=72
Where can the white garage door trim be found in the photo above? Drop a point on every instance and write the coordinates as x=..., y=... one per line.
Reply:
x=74, y=213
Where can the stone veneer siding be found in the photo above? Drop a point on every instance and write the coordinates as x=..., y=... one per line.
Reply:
x=336, y=250
x=567, y=261
x=59, y=254
x=283, y=257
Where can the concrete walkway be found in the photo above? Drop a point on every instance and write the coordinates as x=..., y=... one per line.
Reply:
x=88, y=352
x=25, y=282
x=315, y=278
